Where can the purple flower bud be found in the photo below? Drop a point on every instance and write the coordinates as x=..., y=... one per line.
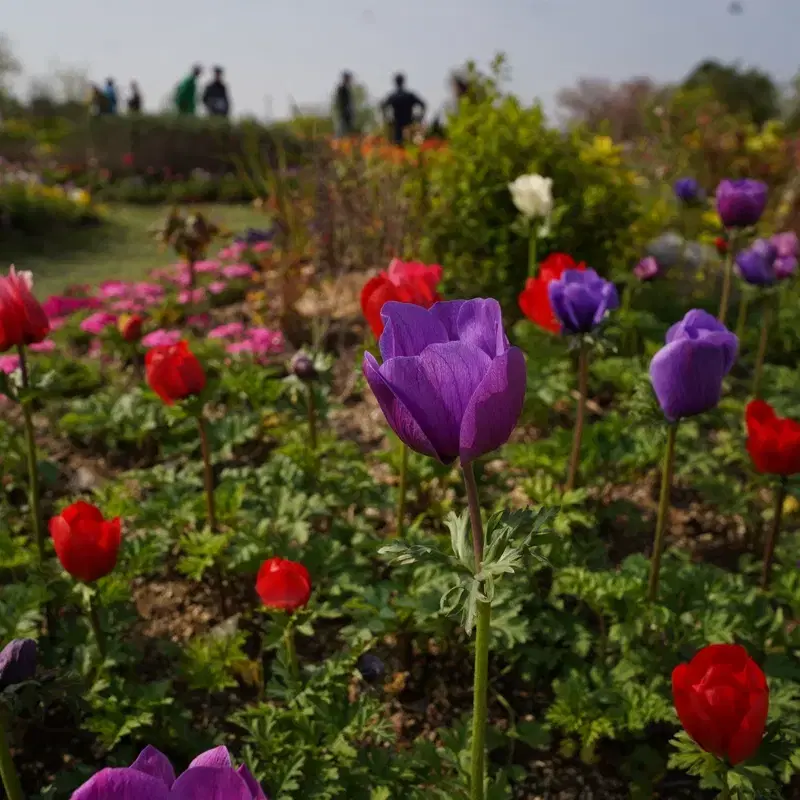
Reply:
x=741, y=203
x=303, y=367
x=370, y=667
x=646, y=269
x=756, y=264
x=580, y=300
x=450, y=386
x=785, y=267
x=786, y=244
x=17, y=662
x=688, y=190
x=687, y=372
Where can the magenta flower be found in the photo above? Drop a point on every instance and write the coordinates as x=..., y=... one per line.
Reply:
x=147, y=291
x=233, y=271
x=63, y=305
x=191, y=296
x=125, y=306
x=9, y=363
x=160, y=338
x=47, y=346
x=646, y=269
x=230, y=331
x=209, y=265
x=96, y=323
x=235, y=348
x=217, y=287
x=450, y=385
x=786, y=244
x=211, y=776
x=265, y=340
x=261, y=247
x=234, y=251
x=111, y=289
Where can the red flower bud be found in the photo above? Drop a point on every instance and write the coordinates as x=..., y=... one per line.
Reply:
x=22, y=319
x=534, y=300
x=173, y=372
x=130, y=327
x=283, y=585
x=721, y=243
x=772, y=441
x=722, y=700
x=85, y=543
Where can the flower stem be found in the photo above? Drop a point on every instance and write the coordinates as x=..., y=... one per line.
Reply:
x=727, y=279
x=312, y=419
x=774, y=530
x=211, y=512
x=663, y=512
x=291, y=651
x=33, y=474
x=583, y=389
x=97, y=629
x=741, y=319
x=766, y=320
x=401, y=490
x=8, y=772
x=725, y=794
x=533, y=264
x=482, y=635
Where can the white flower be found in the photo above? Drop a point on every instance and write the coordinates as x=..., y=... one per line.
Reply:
x=532, y=195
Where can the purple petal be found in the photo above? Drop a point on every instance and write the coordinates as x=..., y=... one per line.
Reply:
x=123, y=784
x=693, y=322
x=17, y=662
x=216, y=757
x=397, y=415
x=408, y=330
x=608, y=299
x=210, y=783
x=495, y=406
x=252, y=784
x=687, y=376
x=153, y=762
x=480, y=323
x=447, y=313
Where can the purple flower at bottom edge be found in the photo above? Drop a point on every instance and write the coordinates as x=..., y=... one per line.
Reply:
x=687, y=372
x=646, y=269
x=741, y=203
x=450, y=385
x=210, y=776
x=17, y=662
x=756, y=264
x=581, y=300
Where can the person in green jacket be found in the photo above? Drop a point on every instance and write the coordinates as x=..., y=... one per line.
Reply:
x=186, y=93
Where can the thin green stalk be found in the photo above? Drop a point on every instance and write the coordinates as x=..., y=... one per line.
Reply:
x=774, y=531
x=33, y=474
x=741, y=319
x=291, y=651
x=97, y=628
x=312, y=419
x=8, y=772
x=766, y=320
x=727, y=280
x=725, y=794
x=663, y=512
x=583, y=389
x=533, y=264
x=482, y=635
x=401, y=491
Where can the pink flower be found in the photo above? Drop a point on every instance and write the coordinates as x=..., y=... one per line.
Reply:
x=217, y=287
x=147, y=291
x=265, y=340
x=237, y=271
x=239, y=347
x=261, y=247
x=161, y=337
x=125, y=305
x=199, y=321
x=98, y=322
x=109, y=289
x=57, y=322
x=188, y=296
x=47, y=346
x=209, y=265
x=229, y=331
x=232, y=251
x=63, y=305
x=9, y=364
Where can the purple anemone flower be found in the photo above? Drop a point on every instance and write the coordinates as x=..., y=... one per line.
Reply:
x=786, y=244
x=646, y=269
x=17, y=662
x=450, y=385
x=687, y=372
x=741, y=203
x=688, y=190
x=785, y=267
x=210, y=776
x=581, y=300
x=756, y=264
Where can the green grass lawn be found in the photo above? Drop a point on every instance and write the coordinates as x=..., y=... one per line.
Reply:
x=121, y=248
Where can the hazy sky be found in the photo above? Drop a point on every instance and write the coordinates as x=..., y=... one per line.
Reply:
x=276, y=49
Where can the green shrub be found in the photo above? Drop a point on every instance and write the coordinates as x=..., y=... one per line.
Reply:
x=599, y=211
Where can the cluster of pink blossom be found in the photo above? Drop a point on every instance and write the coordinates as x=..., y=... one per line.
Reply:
x=256, y=341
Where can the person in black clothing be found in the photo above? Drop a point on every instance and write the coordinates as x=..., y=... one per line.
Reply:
x=134, y=99
x=402, y=104
x=215, y=96
x=344, y=105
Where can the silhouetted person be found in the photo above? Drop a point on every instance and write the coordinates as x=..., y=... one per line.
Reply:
x=186, y=93
x=110, y=92
x=402, y=103
x=134, y=99
x=344, y=105
x=215, y=97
